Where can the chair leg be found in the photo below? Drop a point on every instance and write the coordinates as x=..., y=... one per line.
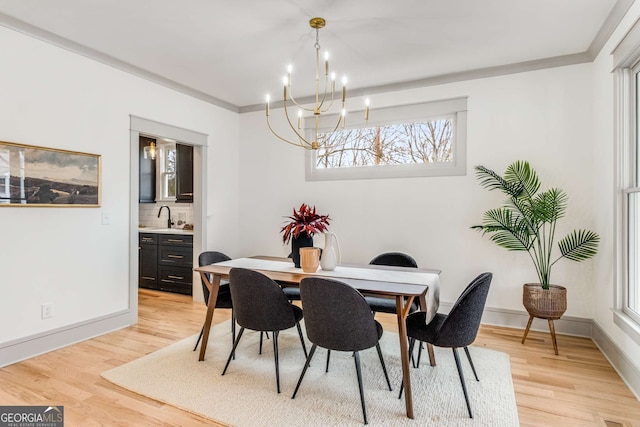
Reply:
x=359, y=373
x=233, y=330
x=412, y=343
x=473, y=368
x=328, y=356
x=464, y=386
x=384, y=367
x=304, y=370
x=553, y=336
x=260, y=352
x=199, y=338
x=233, y=350
x=526, y=331
x=304, y=347
x=275, y=355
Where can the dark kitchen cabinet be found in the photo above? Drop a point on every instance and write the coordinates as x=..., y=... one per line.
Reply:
x=147, y=193
x=173, y=263
x=184, y=173
x=148, y=260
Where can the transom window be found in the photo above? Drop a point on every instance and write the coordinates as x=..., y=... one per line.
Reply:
x=401, y=144
x=412, y=140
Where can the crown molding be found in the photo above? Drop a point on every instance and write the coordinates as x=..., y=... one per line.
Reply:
x=608, y=27
x=480, y=73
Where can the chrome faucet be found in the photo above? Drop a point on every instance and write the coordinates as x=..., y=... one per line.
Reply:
x=169, y=222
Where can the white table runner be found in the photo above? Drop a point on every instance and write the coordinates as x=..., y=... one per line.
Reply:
x=393, y=276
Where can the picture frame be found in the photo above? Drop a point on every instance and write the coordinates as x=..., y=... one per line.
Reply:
x=48, y=177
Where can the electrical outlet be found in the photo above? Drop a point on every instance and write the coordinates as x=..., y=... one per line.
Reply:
x=47, y=310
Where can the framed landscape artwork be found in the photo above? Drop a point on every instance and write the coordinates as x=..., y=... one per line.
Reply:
x=39, y=176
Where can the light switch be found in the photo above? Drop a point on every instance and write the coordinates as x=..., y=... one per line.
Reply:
x=106, y=218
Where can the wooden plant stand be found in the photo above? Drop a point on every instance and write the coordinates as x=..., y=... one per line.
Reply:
x=551, y=328
x=547, y=304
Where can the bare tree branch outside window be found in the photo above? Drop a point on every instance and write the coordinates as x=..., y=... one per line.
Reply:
x=421, y=142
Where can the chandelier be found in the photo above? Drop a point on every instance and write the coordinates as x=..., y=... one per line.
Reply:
x=324, y=100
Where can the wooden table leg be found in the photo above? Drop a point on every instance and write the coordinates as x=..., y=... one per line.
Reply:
x=432, y=355
x=402, y=310
x=213, y=287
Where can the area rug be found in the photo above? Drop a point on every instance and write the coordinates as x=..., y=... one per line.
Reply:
x=246, y=395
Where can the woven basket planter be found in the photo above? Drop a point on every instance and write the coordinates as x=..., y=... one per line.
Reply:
x=544, y=303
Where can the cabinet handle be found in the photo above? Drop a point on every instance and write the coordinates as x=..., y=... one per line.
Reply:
x=175, y=256
x=148, y=278
x=175, y=240
x=147, y=239
x=167, y=281
x=176, y=277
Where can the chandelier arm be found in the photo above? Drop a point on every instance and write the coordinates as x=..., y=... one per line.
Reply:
x=340, y=118
x=293, y=128
x=286, y=140
x=324, y=96
x=298, y=105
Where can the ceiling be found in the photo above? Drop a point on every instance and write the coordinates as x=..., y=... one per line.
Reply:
x=232, y=53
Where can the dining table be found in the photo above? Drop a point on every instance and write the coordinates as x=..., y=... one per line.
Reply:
x=400, y=283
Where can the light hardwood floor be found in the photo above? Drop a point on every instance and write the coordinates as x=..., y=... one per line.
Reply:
x=576, y=388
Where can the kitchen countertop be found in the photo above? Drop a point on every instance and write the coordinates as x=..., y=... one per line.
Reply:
x=164, y=230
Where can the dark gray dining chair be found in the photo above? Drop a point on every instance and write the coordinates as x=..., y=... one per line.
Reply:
x=455, y=330
x=393, y=259
x=338, y=318
x=388, y=305
x=224, y=294
x=260, y=305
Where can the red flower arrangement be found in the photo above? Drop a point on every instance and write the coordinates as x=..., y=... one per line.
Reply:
x=305, y=219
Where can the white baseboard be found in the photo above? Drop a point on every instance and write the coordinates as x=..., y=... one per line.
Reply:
x=34, y=345
x=567, y=325
x=618, y=359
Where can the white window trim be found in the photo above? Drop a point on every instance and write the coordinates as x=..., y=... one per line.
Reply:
x=455, y=108
x=626, y=60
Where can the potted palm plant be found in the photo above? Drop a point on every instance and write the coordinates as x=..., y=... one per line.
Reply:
x=527, y=222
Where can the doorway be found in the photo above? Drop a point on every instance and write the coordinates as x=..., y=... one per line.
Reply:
x=139, y=125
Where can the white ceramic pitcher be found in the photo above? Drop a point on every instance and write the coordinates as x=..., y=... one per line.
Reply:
x=330, y=257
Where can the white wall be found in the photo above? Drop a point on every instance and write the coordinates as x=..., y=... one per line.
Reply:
x=54, y=98
x=543, y=116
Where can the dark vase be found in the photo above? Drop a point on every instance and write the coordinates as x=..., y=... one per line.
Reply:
x=302, y=241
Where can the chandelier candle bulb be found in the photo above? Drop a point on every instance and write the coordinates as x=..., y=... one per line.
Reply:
x=268, y=98
x=366, y=110
x=326, y=63
x=299, y=119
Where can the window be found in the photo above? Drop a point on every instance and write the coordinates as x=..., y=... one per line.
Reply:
x=627, y=114
x=425, y=139
x=631, y=202
x=167, y=172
